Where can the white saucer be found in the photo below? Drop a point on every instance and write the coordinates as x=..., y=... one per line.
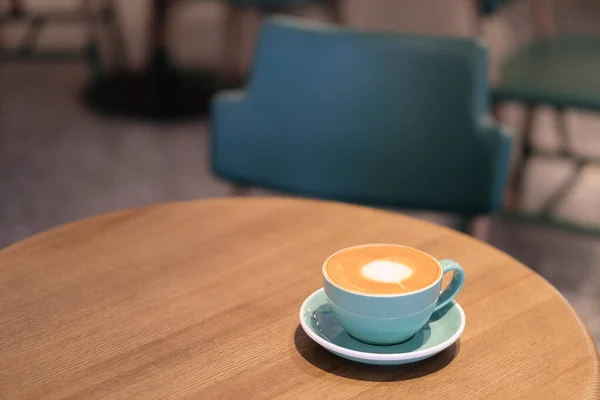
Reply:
x=443, y=329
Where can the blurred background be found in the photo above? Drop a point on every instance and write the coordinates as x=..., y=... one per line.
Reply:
x=68, y=150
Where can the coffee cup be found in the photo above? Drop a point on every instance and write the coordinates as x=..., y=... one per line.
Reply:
x=384, y=293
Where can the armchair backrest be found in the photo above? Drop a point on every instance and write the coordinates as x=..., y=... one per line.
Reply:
x=373, y=118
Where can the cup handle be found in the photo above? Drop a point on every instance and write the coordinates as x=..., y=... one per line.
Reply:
x=455, y=284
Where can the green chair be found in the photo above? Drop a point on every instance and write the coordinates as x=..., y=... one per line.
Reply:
x=557, y=70
x=372, y=118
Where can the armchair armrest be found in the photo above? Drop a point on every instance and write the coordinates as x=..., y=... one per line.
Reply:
x=237, y=136
x=499, y=142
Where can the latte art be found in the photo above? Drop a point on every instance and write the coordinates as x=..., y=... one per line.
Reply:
x=386, y=271
x=382, y=269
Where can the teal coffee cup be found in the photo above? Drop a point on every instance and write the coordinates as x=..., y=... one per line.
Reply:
x=379, y=314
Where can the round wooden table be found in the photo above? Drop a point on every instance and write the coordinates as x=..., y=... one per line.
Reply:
x=200, y=300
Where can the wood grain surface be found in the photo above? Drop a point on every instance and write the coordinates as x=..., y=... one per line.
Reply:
x=200, y=300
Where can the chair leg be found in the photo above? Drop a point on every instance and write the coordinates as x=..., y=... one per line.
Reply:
x=239, y=190
x=16, y=8
x=565, y=151
x=479, y=227
x=232, y=43
x=561, y=125
x=113, y=24
x=478, y=18
x=89, y=8
x=337, y=12
x=515, y=189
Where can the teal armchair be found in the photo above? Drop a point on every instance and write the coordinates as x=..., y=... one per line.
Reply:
x=370, y=118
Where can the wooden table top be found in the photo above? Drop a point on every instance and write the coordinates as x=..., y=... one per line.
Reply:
x=201, y=299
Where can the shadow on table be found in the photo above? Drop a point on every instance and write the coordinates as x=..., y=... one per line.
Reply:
x=328, y=362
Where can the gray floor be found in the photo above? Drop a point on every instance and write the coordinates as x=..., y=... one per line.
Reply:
x=59, y=162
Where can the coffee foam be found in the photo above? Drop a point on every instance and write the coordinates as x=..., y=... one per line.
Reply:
x=382, y=269
x=386, y=271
